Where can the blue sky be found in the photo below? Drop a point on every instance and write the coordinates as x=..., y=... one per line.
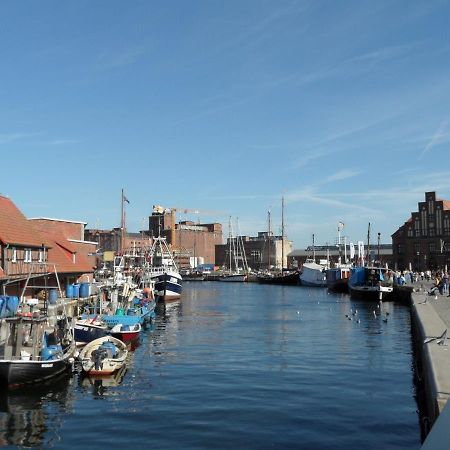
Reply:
x=342, y=107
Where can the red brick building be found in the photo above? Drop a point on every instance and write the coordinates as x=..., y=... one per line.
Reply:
x=36, y=248
x=187, y=239
x=423, y=241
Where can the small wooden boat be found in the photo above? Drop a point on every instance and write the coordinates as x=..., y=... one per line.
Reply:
x=103, y=356
x=126, y=333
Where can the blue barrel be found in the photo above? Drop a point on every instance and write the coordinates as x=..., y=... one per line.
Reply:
x=53, y=296
x=76, y=290
x=69, y=291
x=85, y=290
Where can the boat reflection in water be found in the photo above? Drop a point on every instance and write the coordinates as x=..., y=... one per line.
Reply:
x=30, y=416
x=101, y=385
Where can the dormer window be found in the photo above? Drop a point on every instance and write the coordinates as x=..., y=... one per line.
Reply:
x=41, y=255
x=14, y=254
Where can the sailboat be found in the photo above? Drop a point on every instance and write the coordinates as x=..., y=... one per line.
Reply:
x=236, y=253
x=283, y=277
x=313, y=274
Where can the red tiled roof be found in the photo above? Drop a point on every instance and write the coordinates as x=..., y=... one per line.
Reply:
x=15, y=228
x=62, y=251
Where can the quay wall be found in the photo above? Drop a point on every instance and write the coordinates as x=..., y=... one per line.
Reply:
x=430, y=322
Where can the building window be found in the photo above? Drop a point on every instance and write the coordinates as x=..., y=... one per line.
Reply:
x=431, y=232
x=27, y=255
x=41, y=255
x=410, y=232
x=432, y=246
x=416, y=247
x=14, y=255
x=400, y=249
x=256, y=255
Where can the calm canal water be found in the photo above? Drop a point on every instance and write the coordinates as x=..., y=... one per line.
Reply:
x=240, y=366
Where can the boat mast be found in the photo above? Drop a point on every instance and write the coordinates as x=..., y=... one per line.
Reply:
x=314, y=250
x=270, y=241
x=282, y=234
x=229, y=241
x=122, y=224
x=368, y=245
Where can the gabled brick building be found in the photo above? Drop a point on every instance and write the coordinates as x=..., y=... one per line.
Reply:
x=40, y=246
x=423, y=241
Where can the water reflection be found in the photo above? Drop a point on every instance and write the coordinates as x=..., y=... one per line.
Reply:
x=101, y=386
x=31, y=416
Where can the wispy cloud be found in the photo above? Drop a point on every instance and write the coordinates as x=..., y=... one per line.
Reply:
x=119, y=58
x=63, y=142
x=8, y=138
x=440, y=136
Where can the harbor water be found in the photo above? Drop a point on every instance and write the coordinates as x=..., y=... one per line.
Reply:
x=237, y=365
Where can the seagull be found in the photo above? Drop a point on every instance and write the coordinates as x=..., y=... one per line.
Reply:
x=374, y=314
x=440, y=339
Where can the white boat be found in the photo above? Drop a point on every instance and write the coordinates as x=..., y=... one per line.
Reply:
x=313, y=274
x=103, y=356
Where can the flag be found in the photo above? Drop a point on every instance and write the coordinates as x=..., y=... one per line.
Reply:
x=341, y=226
x=125, y=199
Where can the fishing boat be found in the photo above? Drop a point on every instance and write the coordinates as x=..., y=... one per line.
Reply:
x=163, y=271
x=337, y=278
x=104, y=356
x=369, y=283
x=88, y=329
x=34, y=348
x=126, y=333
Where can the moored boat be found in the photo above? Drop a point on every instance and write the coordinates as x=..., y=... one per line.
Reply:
x=33, y=349
x=89, y=328
x=288, y=278
x=103, y=356
x=163, y=272
x=126, y=333
x=369, y=283
x=313, y=274
x=337, y=278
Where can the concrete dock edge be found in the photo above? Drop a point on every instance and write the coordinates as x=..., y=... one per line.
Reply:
x=430, y=324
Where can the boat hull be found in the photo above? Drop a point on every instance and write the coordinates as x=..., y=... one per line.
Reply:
x=168, y=285
x=126, y=334
x=371, y=293
x=313, y=275
x=289, y=279
x=233, y=278
x=16, y=373
x=85, y=332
